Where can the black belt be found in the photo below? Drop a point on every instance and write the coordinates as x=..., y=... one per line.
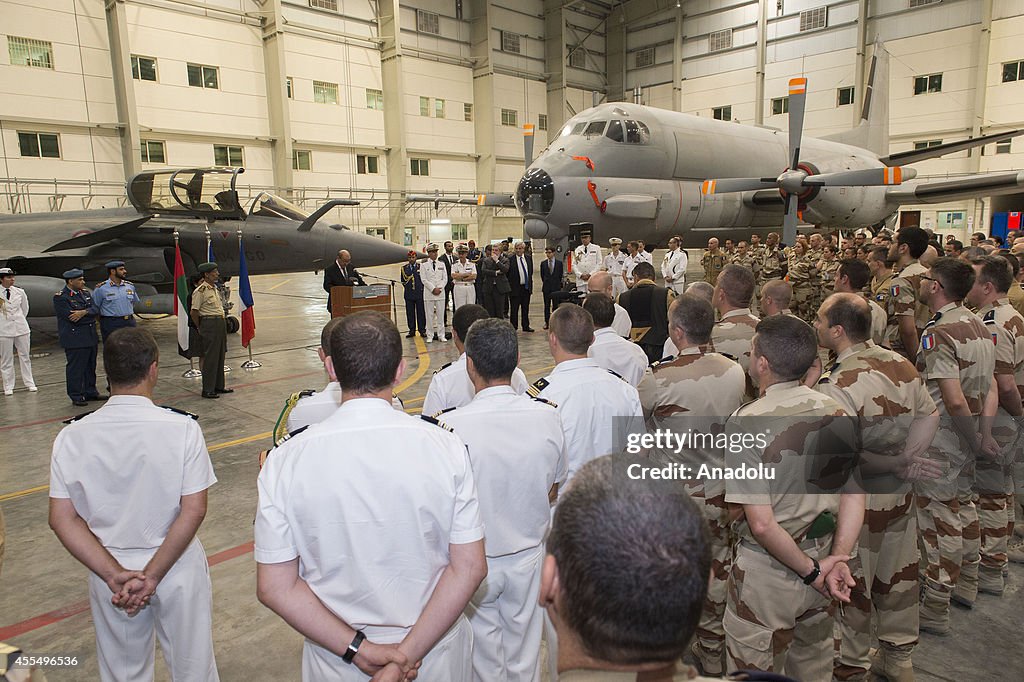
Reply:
x=211, y=317
x=115, y=317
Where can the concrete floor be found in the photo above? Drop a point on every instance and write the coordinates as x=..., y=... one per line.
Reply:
x=43, y=590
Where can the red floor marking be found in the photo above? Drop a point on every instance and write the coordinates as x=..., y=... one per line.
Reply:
x=11, y=631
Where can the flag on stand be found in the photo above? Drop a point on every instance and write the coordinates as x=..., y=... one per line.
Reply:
x=245, y=296
x=181, y=300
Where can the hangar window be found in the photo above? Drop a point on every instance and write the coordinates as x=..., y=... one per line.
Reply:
x=428, y=22
x=813, y=19
x=201, y=76
x=302, y=159
x=644, y=58
x=153, y=152
x=324, y=4
x=510, y=42
x=509, y=117
x=578, y=58
x=1013, y=71
x=594, y=128
x=925, y=144
x=720, y=40
x=419, y=166
x=367, y=165
x=438, y=108
x=467, y=111
x=325, y=93
x=926, y=84
x=722, y=113
x=460, y=231
x=289, y=88
x=227, y=155
x=780, y=105
x=424, y=106
x=30, y=52
x=542, y=121
x=39, y=145
x=844, y=96
x=143, y=68
x=375, y=99
x=637, y=133
x=1003, y=146
x=614, y=131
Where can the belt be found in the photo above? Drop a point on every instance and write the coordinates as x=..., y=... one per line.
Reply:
x=464, y=284
x=211, y=317
x=824, y=542
x=115, y=317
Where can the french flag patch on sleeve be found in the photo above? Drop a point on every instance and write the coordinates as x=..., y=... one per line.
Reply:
x=928, y=341
x=894, y=290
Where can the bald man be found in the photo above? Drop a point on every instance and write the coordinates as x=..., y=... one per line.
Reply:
x=340, y=273
x=776, y=296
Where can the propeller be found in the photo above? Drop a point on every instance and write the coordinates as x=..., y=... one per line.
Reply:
x=796, y=180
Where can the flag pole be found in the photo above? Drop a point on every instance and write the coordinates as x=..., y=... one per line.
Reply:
x=191, y=372
x=250, y=363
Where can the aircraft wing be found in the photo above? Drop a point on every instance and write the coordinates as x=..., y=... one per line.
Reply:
x=486, y=199
x=970, y=187
x=26, y=235
x=934, y=152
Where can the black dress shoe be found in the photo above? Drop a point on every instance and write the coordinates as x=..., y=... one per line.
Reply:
x=448, y=336
x=410, y=335
x=545, y=326
x=96, y=398
x=79, y=403
x=527, y=329
x=224, y=390
x=210, y=395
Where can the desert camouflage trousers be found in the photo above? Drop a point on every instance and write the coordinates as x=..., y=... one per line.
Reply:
x=775, y=623
x=886, y=571
x=987, y=527
x=940, y=522
x=710, y=633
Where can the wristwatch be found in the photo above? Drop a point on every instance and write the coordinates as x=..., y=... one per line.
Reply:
x=808, y=579
x=353, y=648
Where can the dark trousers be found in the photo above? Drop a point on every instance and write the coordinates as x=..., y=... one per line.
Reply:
x=108, y=325
x=519, y=300
x=549, y=305
x=496, y=303
x=214, y=334
x=80, y=372
x=416, y=315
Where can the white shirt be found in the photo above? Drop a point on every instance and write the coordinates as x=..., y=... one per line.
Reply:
x=451, y=387
x=674, y=266
x=13, y=312
x=644, y=256
x=434, y=275
x=589, y=400
x=459, y=268
x=669, y=350
x=369, y=500
x=627, y=266
x=613, y=263
x=125, y=468
x=623, y=323
x=513, y=475
x=586, y=261
x=623, y=357
x=313, y=409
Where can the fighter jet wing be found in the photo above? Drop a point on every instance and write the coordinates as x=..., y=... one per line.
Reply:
x=99, y=236
x=970, y=187
x=485, y=199
x=37, y=234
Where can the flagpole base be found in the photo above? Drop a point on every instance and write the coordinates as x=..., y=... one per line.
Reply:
x=251, y=364
x=191, y=374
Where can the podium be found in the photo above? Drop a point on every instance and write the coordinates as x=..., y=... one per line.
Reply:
x=348, y=300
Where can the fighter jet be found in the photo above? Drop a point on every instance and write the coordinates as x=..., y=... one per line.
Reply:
x=639, y=172
x=279, y=237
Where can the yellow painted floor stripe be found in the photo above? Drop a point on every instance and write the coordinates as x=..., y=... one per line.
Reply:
x=23, y=493
x=424, y=365
x=239, y=441
x=280, y=284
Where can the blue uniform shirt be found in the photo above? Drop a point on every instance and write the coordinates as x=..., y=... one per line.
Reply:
x=114, y=300
x=81, y=333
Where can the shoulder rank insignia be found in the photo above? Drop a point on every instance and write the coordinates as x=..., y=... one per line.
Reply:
x=879, y=297
x=824, y=378
x=536, y=387
x=990, y=317
x=545, y=401
x=663, y=361
x=444, y=367
x=435, y=422
x=727, y=355
x=894, y=290
x=928, y=341
x=614, y=373
x=440, y=412
x=78, y=416
x=266, y=453
x=181, y=412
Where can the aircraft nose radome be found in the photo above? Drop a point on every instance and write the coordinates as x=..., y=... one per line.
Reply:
x=366, y=250
x=536, y=192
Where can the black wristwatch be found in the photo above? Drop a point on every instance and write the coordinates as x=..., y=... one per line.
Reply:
x=353, y=648
x=808, y=579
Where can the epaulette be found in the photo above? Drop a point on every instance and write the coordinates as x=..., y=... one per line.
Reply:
x=824, y=378
x=614, y=373
x=444, y=367
x=292, y=434
x=990, y=317
x=536, y=387
x=435, y=422
x=395, y=396
x=544, y=400
x=78, y=416
x=439, y=413
x=731, y=357
x=663, y=361
x=266, y=453
x=181, y=412
x=306, y=393
x=935, y=318
x=290, y=402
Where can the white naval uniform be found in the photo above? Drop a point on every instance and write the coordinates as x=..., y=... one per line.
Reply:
x=434, y=276
x=623, y=357
x=464, y=292
x=613, y=263
x=598, y=409
x=129, y=497
x=14, y=334
x=510, y=474
x=313, y=409
x=674, y=265
x=623, y=323
x=627, y=268
x=371, y=524
x=451, y=387
x=586, y=260
x=644, y=256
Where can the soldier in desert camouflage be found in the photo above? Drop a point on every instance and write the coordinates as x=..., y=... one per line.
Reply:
x=743, y=256
x=802, y=273
x=732, y=334
x=907, y=313
x=827, y=265
x=776, y=298
x=713, y=260
x=696, y=390
x=852, y=277
x=897, y=420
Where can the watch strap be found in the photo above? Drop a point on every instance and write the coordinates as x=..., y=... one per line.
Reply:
x=353, y=648
x=813, y=575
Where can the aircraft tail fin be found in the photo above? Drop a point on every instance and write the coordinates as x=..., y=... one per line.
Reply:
x=873, y=130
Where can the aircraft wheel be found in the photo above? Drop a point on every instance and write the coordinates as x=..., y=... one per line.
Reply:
x=233, y=325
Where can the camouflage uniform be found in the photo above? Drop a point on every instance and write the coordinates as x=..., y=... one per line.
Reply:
x=713, y=264
x=880, y=386
x=697, y=390
x=803, y=275
x=880, y=291
x=773, y=621
x=766, y=267
x=746, y=260
x=827, y=270
x=1016, y=296
x=732, y=336
x=904, y=300
x=955, y=345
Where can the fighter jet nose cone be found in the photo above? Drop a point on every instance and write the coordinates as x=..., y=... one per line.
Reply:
x=536, y=192
x=366, y=250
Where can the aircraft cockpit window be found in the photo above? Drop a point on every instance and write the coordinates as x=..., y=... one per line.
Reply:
x=578, y=128
x=271, y=206
x=637, y=133
x=595, y=128
x=614, y=131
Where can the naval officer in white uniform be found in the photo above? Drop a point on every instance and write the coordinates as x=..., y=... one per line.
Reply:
x=14, y=333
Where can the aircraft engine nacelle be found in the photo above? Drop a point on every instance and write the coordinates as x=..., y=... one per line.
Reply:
x=848, y=207
x=40, y=291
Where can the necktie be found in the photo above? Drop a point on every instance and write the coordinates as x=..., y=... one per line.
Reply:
x=522, y=271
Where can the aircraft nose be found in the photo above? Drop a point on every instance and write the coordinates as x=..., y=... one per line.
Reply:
x=536, y=192
x=366, y=250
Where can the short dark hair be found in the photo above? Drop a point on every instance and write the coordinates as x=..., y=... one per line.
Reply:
x=787, y=343
x=643, y=270
x=464, y=318
x=995, y=271
x=737, y=283
x=366, y=350
x=852, y=313
x=493, y=347
x=881, y=253
x=955, y=276
x=1014, y=262
x=128, y=354
x=573, y=327
x=957, y=245
x=856, y=271
x=915, y=238
x=694, y=316
x=325, y=334
x=601, y=307
x=633, y=565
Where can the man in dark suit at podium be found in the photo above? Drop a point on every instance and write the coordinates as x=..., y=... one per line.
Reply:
x=552, y=272
x=340, y=273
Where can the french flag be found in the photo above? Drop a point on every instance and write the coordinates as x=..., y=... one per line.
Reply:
x=245, y=296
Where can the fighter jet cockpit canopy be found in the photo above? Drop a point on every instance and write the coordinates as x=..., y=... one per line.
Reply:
x=272, y=206
x=196, y=192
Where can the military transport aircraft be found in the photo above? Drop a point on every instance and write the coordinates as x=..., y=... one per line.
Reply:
x=638, y=172
x=279, y=237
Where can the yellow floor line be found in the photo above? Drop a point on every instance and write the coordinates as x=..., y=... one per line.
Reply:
x=23, y=493
x=424, y=365
x=280, y=284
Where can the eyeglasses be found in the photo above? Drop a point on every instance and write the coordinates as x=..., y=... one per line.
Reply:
x=932, y=279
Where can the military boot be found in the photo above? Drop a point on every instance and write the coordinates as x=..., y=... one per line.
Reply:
x=990, y=581
x=710, y=664
x=1015, y=550
x=934, y=612
x=892, y=665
